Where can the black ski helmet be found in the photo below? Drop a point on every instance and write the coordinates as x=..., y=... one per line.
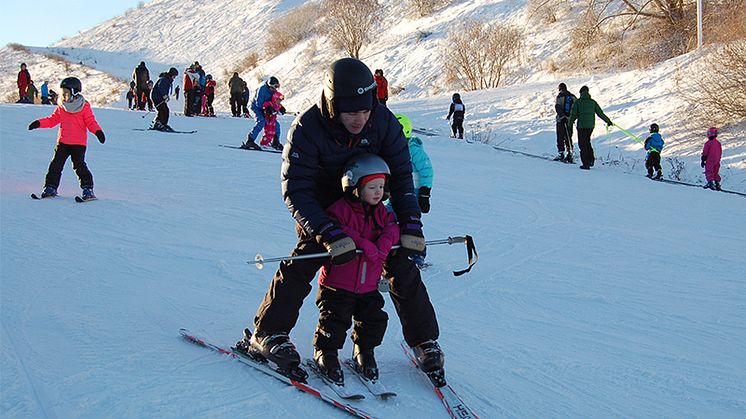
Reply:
x=654, y=128
x=562, y=87
x=73, y=84
x=173, y=72
x=456, y=97
x=347, y=78
x=360, y=166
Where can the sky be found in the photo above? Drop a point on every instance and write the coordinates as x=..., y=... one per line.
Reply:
x=57, y=19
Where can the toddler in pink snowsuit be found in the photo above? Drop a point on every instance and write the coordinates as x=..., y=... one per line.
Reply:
x=711, y=154
x=271, y=108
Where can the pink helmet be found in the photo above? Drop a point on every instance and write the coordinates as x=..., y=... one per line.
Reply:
x=712, y=132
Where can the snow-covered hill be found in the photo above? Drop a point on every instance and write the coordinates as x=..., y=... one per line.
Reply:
x=597, y=294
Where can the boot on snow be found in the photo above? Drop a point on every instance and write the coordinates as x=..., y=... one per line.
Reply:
x=49, y=192
x=328, y=363
x=365, y=363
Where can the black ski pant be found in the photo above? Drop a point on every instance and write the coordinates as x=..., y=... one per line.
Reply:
x=77, y=155
x=236, y=100
x=653, y=162
x=208, y=106
x=338, y=308
x=586, y=150
x=458, y=127
x=280, y=308
x=162, y=116
x=188, y=102
x=142, y=98
x=564, y=136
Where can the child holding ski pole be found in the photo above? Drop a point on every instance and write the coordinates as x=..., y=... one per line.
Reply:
x=711, y=154
x=344, y=292
x=74, y=115
x=654, y=146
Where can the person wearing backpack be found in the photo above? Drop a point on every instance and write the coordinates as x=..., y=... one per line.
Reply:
x=562, y=106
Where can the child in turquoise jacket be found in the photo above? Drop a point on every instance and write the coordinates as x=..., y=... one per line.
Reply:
x=422, y=168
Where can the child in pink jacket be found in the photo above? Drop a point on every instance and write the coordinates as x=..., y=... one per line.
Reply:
x=711, y=154
x=271, y=108
x=351, y=290
x=75, y=117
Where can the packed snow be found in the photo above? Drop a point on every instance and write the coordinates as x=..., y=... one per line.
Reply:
x=596, y=294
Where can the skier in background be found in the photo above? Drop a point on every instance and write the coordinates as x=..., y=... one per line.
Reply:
x=654, y=146
x=31, y=92
x=131, y=102
x=711, y=154
x=261, y=95
x=209, y=95
x=141, y=75
x=74, y=116
x=160, y=95
x=245, y=96
x=236, y=87
x=422, y=167
x=585, y=110
x=271, y=128
x=343, y=294
x=458, y=111
x=45, y=93
x=382, y=87
x=563, y=106
x=23, y=80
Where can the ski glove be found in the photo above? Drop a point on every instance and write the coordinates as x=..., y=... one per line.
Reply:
x=704, y=159
x=412, y=239
x=424, y=199
x=282, y=110
x=370, y=250
x=37, y=124
x=339, y=245
x=101, y=137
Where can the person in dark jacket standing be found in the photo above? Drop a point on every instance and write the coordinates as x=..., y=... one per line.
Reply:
x=382, y=87
x=346, y=122
x=457, y=110
x=585, y=110
x=141, y=76
x=654, y=145
x=563, y=106
x=235, y=86
x=160, y=95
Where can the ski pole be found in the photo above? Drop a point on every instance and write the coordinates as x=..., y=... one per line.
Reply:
x=260, y=260
x=150, y=110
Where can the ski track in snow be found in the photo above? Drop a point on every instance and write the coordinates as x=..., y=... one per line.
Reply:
x=596, y=294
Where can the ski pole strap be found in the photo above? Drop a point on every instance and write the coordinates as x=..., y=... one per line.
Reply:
x=471, y=252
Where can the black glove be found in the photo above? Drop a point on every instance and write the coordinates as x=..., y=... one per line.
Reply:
x=34, y=125
x=339, y=245
x=424, y=199
x=282, y=110
x=608, y=124
x=704, y=160
x=101, y=137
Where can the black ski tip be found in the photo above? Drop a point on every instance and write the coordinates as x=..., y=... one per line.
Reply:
x=35, y=196
x=80, y=199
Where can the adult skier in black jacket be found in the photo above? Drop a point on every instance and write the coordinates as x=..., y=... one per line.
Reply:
x=346, y=122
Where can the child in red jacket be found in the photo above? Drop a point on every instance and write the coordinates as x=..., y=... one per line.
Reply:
x=74, y=116
x=351, y=290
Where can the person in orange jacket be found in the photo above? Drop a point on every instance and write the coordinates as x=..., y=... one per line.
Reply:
x=74, y=116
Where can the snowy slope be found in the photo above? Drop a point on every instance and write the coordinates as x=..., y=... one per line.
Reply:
x=597, y=294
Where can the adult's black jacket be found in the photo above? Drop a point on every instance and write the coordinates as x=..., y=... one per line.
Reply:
x=317, y=150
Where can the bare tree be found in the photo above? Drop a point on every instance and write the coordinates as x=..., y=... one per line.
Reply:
x=349, y=23
x=475, y=54
x=294, y=26
x=426, y=7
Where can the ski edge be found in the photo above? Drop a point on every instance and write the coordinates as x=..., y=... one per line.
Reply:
x=453, y=404
x=354, y=411
x=239, y=148
x=79, y=199
x=341, y=391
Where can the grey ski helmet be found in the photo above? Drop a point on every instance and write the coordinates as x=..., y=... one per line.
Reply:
x=361, y=166
x=347, y=78
x=73, y=84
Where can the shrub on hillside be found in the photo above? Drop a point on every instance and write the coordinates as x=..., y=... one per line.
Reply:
x=17, y=47
x=349, y=24
x=249, y=62
x=475, y=55
x=424, y=8
x=294, y=26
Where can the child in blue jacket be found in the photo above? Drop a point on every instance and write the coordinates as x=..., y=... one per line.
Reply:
x=422, y=168
x=654, y=146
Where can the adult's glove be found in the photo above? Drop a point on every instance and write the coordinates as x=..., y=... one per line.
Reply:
x=704, y=160
x=424, y=199
x=282, y=110
x=101, y=137
x=412, y=239
x=339, y=245
x=37, y=124
x=608, y=124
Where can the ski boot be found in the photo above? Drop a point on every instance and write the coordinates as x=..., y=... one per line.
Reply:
x=88, y=194
x=717, y=186
x=710, y=185
x=158, y=126
x=250, y=144
x=658, y=176
x=49, y=192
x=276, y=144
x=568, y=158
x=560, y=156
x=430, y=360
x=365, y=363
x=328, y=364
x=276, y=348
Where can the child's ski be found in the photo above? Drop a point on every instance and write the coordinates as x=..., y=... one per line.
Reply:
x=251, y=149
x=167, y=132
x=376, y=388
x=342, y=390
x=79, y=199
